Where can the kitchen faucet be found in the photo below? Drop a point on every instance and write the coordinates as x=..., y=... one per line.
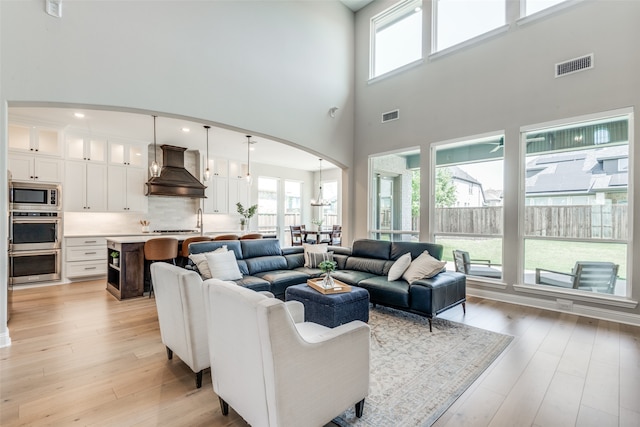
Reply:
x=199, y=221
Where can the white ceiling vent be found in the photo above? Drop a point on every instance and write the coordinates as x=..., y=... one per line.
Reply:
x=390, y=115
x=574, y=65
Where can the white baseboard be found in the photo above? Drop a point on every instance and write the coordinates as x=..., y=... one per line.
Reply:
x=5, y=339
x=553, y=305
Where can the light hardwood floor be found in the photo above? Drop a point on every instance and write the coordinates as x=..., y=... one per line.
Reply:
x=80, y=357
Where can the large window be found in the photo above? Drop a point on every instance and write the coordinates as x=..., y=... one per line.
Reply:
x=395, y=196
x=292, y=207
x=267, y=204
x=458, y=20
x=468, y=192
x=576, y=205
x=396, y=37
x=329, y=214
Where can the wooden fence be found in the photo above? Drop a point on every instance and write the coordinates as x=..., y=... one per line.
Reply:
x=579, y=222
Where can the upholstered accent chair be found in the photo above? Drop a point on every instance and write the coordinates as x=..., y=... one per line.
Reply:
x=276, y=370
x=181, y=314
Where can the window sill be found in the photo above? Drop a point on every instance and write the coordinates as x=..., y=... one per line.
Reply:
x=603, y=299
x=486, y=283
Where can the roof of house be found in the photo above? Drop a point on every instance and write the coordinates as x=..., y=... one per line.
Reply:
x=581, y=172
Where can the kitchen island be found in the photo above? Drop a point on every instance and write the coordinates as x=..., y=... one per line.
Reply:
x=127, y=280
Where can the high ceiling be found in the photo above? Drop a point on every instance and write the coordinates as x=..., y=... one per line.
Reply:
x=222, y=142
x=356, y=5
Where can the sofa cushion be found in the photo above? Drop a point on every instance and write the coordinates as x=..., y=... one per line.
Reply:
x=253, y=248
x=416, y=249
x=310, y=272
x=294, y=260
x=436, y=294
x=200, y=261
x=424, y=266
x=368, y=248
x=316, y=249
x=315, y=259
x=265, y=263
x=395, y=293
x=223, y=265
x=375, y=266
x=399, y=267
x=281, y=279
x=254, y=283
x=352, y=277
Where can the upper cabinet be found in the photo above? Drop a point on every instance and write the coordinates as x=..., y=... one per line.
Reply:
x=86, y=148
x=237, y=169
x=128, y=154
x=34, y=139
x=27, y=167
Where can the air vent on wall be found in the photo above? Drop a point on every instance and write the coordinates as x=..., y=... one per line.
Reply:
x=574, y=65
x=390, y=115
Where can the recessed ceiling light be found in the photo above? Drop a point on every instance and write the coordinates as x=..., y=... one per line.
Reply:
x=79, y=115
x=185, y=129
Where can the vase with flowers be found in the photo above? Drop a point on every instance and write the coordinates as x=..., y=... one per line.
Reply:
x=318, y=223
x=327, y=267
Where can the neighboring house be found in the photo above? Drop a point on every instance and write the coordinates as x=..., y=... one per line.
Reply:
x=469, y=192
x=590, y=177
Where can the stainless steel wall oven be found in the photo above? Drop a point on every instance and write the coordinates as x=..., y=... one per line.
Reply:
x=35, y=233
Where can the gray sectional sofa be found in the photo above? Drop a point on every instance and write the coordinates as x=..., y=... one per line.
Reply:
x=265, y=266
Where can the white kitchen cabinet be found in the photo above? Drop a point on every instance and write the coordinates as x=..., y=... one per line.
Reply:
x=238, y=192
x=86, y=148
x=128, y=154
x=217, y=193
x=34, y=139
x=85, y=257
x=27, y=167
x=125, y=190
x=237, y=169
x=85, y=187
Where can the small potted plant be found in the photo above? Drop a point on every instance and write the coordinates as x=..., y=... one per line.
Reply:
x=115, y=258
x=318, y=222
x=327, y=267
x=245, y=213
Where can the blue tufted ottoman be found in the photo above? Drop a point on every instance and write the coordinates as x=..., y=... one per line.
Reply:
x=331, y=310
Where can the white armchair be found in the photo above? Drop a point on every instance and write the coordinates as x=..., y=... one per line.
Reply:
x=181, y=314
x=275, y=370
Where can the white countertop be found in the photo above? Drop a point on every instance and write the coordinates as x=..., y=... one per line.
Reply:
x=155, y=234
x=141, y=238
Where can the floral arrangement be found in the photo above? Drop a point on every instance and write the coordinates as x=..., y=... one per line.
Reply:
x=317, y=221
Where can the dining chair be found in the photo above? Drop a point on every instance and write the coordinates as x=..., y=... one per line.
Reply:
x=296, y=235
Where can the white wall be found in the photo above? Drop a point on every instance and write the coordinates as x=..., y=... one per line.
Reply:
x=501, y=83
x=273, y=68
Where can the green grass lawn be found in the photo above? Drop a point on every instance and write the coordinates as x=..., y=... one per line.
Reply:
x=548, y=254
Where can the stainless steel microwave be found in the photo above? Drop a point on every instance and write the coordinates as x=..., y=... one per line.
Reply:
x=34, y=196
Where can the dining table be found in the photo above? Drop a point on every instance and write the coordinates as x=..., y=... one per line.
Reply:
x=316, y=235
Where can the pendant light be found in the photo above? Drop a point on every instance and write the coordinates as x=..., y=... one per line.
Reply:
x=207, y=172
x=155, y=167
x=249, y=159
x=319, y=201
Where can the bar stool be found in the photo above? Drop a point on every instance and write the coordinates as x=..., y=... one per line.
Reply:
x=160, y=249
x=227, y=237
x=251, y=236
x=184, y=253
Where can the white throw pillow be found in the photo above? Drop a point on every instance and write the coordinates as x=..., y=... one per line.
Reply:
x=318, y=249
x=399, y=267
x=423, y=267
x=200, y=260
x=223, y=265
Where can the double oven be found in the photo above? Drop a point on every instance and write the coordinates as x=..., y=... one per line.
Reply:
x=35, y=232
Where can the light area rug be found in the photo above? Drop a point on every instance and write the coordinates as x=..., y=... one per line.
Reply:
x=416, y=374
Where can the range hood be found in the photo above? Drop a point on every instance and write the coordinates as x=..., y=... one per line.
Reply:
x=174, y=179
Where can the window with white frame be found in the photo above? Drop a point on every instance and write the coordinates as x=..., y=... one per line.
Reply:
x=456, y=21
x=394, y=193
x=396, y=37
x=576, y=204
x=468, y=205
x=267, y=204
x=529, y=7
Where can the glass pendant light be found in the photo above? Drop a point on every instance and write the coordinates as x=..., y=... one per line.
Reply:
x=154, y=169
x=248, y=177
x=319, y=201
x=207, y=172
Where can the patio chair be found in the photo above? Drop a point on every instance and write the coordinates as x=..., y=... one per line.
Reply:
x=592, y=276
x=474, y=267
